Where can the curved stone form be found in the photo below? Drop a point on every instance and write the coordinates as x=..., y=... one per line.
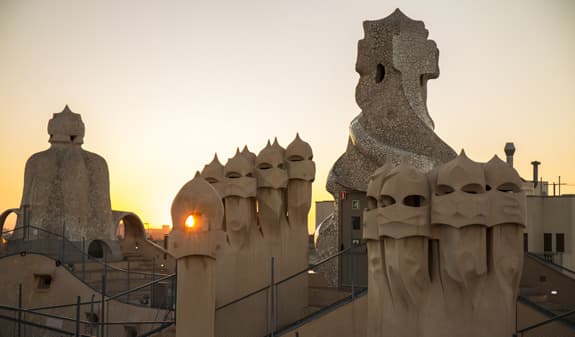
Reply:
x=133, y=226
x=270, y=168
x=395, y=60
x=458, y=194
x=239, y=199
x=465, y=272
x=376, y=273
x=5, y=215
x=195, y=249
x=371, y=213
x=67, y=188
x=239, y=176
x=299, y=156
x=272, y=180
x=404, y=204
x=301, y=174
x=214, y=174
x=266, y=203
x=199, y=199
x=506, y=199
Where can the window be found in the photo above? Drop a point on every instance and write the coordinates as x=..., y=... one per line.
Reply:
x=355, y=204
x=43, y=281
x=547, y=242
x=560, y=242
x=525, y=242
x=356, y=222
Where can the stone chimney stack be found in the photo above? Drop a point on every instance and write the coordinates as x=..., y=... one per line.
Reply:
x=535, y=172
x=509, y=152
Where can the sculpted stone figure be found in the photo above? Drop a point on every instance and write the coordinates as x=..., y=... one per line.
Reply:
x=379, y=291
x=67, y=188
x=239, y=199
x=266, y=199
x=214, y=174
x=445, y=257
x=394, y=61
x=195, y=249
x=272, y=179
x=301, y=173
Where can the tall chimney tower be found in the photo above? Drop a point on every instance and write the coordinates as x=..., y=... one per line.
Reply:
x=509, y=152
x=535, y=172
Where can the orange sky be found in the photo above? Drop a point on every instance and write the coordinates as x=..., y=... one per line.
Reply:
x=161, y=86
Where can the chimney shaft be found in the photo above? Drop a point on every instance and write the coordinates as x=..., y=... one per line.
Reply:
x=535, y=172
x=509, y=152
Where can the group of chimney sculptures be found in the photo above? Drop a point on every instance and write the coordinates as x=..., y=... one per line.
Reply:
x=259, y=205
x=443, y=233
x=444, y=248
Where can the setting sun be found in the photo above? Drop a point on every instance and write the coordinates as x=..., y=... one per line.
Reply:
x=190, y=221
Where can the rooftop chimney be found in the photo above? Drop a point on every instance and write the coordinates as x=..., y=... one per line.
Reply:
x=509, y=152
x=535, y=172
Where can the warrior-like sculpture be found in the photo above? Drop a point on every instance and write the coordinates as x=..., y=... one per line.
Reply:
x=445, y=249
x=67, y=189
x=394, y=61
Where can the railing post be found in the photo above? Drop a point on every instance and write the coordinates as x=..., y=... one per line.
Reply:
x=273, y=299
x=175, y=292
x=63, y=243
x=153, y=279
x=91, y=321
x=26, y=223
x=102, y=306
x=105, y=265
x=352, y=271
x=19, y=310
x=77, y=316
x=128, y=282
x=83, y=259
x=516, y=300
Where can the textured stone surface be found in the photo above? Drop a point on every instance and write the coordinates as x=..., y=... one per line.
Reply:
x=395, y=60
x=66, y=187
x=195, y=248
x=267, y=198
x=444, y=248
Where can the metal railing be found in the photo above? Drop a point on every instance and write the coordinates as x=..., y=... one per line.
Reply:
x=554, y=318
x=272, y=294
x=280, y=300
x=95, y=325
x=76, y=260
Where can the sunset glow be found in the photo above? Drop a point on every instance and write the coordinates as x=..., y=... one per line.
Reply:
x=190, y=221
x=159, y=95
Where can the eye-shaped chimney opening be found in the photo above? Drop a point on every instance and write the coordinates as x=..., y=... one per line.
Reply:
x=385, y=201
x=379, y=73
x=443, y=190
x=509, y=188
x=472, y=189
x=233, y=175
x=371, y=203
x=415, y=200
x=264, y=166
x=212, y=180
x=295, y=157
